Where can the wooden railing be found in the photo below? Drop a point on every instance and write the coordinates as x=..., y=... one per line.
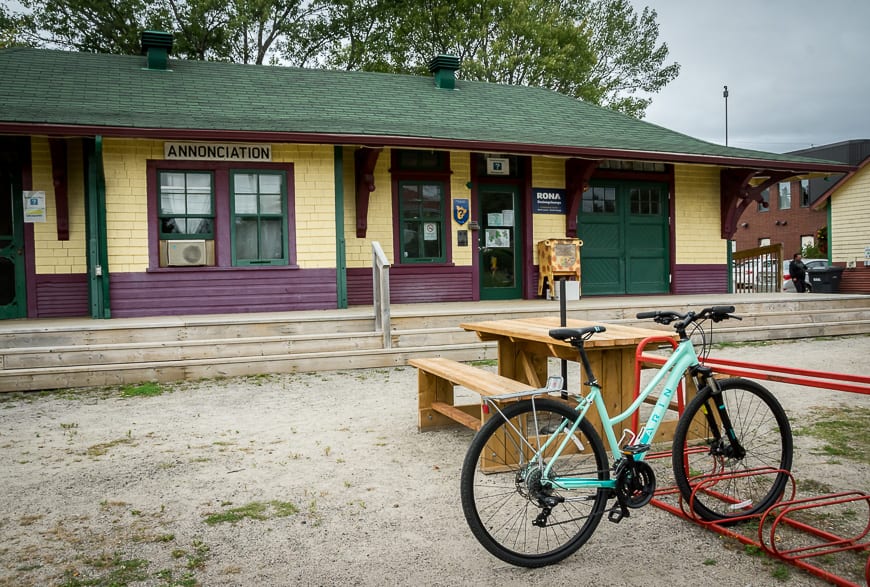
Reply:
x=757, y=270
x=381, y=293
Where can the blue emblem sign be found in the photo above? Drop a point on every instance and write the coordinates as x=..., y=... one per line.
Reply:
x=461, y=210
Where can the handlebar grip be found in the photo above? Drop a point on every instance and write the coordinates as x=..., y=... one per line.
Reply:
x=645, y=315
x=722, y=309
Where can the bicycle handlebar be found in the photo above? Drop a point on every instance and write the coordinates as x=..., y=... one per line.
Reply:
x=714, y=313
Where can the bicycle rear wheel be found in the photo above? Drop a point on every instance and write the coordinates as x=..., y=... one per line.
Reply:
x=515, y=513
x=724, y=479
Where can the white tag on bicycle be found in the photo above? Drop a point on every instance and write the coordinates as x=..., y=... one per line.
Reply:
x=555, y=383
x=740, y=506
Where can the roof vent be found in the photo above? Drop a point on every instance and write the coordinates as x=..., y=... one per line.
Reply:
x=444, y=69
x=156, y=46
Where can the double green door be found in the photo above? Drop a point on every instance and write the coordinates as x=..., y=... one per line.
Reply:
x=624, y=228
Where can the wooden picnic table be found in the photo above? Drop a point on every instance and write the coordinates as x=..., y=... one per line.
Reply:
x=524, y=347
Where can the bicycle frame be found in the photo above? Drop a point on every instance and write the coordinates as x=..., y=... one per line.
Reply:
x=672, y=372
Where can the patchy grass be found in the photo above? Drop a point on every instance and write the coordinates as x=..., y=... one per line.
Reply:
x=107, y=570
x=148, y=389
x=256, y=510
x=844, y=432
x=102, y=448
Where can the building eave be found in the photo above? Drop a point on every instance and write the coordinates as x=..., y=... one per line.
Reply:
x=54, y=130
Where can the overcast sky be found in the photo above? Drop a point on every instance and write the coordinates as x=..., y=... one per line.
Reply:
x=797, y=71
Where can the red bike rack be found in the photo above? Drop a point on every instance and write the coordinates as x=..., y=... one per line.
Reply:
x=782, y=523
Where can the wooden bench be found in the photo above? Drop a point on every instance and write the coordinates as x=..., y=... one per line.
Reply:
x=437, y=377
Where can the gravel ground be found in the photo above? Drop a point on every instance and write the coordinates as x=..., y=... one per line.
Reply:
x=323, y=479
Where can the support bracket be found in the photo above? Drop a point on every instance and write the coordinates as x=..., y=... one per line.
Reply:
x=737, y=193
x=364, y=160
x=577, y=175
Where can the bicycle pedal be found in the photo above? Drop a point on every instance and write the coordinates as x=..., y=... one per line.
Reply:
x=617, y=513
x=635, y=449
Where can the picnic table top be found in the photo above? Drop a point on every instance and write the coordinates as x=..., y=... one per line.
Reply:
x=537, y=330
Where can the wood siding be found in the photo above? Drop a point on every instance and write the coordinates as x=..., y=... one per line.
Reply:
x=855, y=280
x=697, y=279
x=61, y=296
x=219, y=292
x=413, y=285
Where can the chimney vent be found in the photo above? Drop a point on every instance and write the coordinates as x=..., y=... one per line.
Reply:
x=444, y=69
x=156, y=46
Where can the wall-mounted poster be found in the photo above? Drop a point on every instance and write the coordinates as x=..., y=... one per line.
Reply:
x=498, y=238
x=34, y=207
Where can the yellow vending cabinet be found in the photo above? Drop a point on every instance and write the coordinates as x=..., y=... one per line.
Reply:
x=559, y=257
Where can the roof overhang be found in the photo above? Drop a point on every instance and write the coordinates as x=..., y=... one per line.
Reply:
x=799, y=168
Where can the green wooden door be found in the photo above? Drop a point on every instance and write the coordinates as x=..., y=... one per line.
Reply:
x=624, y=227
x=499, y=234
x=13, y=298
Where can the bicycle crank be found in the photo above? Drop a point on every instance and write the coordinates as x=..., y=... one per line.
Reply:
x=635, y=483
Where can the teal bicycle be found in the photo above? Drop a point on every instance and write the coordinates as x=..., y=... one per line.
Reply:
x=537, y=481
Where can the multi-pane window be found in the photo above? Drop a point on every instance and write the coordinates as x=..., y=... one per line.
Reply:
x=421, y=213
x=805, y=193
x=785, y=196
x=645, y=202
x=599, y=200
x=764, y=204
x=259, y=217
x=186, y=205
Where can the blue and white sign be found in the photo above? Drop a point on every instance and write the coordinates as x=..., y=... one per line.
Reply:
x=461, y=211
x=548, y=201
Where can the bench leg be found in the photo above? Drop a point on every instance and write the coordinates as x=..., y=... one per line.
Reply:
x=432, y=389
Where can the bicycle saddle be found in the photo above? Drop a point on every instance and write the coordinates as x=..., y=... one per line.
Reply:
x=570, y=334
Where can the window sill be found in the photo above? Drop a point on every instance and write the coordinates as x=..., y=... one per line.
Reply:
x=202, y=268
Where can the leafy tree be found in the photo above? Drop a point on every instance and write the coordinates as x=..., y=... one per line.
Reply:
x=602, y=51
x=100, y=26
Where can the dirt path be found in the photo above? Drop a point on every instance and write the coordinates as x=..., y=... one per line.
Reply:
x=330, y=484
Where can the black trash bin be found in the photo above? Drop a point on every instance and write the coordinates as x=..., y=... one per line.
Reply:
x=826, y=280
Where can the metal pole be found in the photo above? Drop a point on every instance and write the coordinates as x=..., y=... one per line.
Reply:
x=563, y=321
x=725, y=95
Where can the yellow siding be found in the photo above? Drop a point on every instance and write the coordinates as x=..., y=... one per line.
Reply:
x=460, y=162
x=52, y=255
x=850, y=224
x=380, y=214
x=127, y=201
x=697, y=225
x=547, y=173
x=124, y=162
x=315, y=201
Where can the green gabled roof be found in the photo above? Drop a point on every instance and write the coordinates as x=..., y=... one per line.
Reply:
x=116, y=93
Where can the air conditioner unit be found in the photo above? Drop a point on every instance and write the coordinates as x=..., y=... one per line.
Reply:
x=186, y=253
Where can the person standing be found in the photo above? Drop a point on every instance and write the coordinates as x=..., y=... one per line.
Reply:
x=798, y=273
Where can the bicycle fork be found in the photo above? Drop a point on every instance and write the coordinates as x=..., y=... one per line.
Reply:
x=703, y=377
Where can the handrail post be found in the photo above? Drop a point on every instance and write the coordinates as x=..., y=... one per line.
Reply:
x=381, y=293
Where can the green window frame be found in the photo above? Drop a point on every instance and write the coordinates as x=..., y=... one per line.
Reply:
x=422, y=226
x=258, y=210
x=186, y=204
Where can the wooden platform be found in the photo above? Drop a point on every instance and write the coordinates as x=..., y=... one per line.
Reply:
x=40, y=354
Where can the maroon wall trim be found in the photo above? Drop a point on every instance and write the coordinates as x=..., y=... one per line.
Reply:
x=413, y=285
x=61, y=295
x=697, y=279
x=238, y=290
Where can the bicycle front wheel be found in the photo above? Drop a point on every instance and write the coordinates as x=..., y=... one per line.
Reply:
x=511, y=505
x=735, y=475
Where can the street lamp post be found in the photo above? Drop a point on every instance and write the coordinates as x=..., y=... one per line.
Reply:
x=725, y=95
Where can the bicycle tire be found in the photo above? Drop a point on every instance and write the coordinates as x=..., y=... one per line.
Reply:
x=501, y=504
x=729, y=485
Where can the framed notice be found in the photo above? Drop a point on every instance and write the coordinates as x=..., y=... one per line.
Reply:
x=34, y=207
